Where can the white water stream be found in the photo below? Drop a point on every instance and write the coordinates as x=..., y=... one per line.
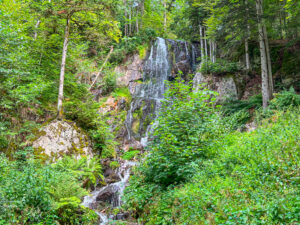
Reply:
x=116, y=188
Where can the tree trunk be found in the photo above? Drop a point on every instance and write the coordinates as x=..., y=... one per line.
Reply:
x=125, y=14
x=201, y=44
x=270, y=77
x=130, y=11
x=165, y=15
x=205, y=44
x=210, y=50
x=62, y=71
x=214, y=51
x=247, y=38
x=137, y=21
x=263, y=42
x=247, y=54
x=36, y=27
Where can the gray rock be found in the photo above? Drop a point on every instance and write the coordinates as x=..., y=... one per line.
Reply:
x=224, y=85
x=60, y=138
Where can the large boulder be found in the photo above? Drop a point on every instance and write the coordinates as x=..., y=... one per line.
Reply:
x=59, y=138
x=224, y=85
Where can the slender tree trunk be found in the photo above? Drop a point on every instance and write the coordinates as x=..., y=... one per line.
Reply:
x=210, y=51
x=137, y=20
x=205, y=43
x=214, y=51
x=270, y=77
x=125, y=14
x=62, y=70
x=36, y=27
x=201, y=44
x=247, y=38
x=142, y=13
x=165, y=15
x=130, y=26
x=247, y=54
x=263, y=42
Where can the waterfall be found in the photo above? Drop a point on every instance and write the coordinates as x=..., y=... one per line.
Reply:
x=150, y=92
x=163, y=62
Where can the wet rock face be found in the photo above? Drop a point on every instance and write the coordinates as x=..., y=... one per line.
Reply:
x=183, y=57
x=60, y=138
x=130, y=73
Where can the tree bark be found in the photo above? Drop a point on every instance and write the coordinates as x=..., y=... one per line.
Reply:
x=36, y=27
x=125, y=14
x=214, y=52
x=165, y=15
x=270, y=77
x=205, y=43
x=247, y=54
x=130, y=26
x=266, y=73
x=248, y=66
x=210, y=50
x=62, y=70
x=201, y=43
x=137, y=20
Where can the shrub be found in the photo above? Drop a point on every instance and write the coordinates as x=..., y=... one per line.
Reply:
x=33, y=193
x=253, y=179
x=85, y=114
x=219, y=67
x=130, y=155
x=285, y=99
x=186, y=125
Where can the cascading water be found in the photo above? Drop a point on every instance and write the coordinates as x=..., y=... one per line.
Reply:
x=150, y=92
x=112, y=192
x=163, y=63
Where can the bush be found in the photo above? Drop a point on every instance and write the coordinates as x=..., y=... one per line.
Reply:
x=130, y=155
x=33, y=193
x=253, y=179
x=85, y=114
x=219, y=67
x=285, y=100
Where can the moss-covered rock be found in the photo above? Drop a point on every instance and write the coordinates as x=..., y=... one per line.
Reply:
x=59, y=138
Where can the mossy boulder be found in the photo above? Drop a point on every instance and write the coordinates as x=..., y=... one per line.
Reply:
x=225, y=85
x=59, y=138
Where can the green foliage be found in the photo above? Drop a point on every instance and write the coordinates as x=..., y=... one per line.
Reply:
x=251, y=179
x=122, y=92
x=33, y=193
x=186, y=125
x=114, y=165
x=220, y=67
x=285, y=100
x=84, y=110
x=130, y=45
x=86, y=170
x=130, y=154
